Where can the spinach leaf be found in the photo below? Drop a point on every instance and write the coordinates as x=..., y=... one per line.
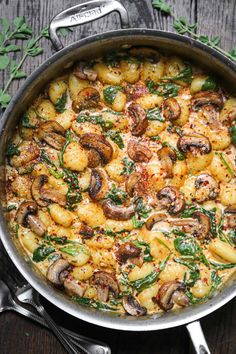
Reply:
x=147, y=256
x=41, y=253
x=118, y=196
x=141, y=209
x=25, y=121
x=95, y=119
x=112, y=60
x=225, y=163
x=129, y=166
x=137, y=224
x=210, y=84
x=222, y=266
x=194, y=273
x=187, y=246
x=163, y=89
x=115, y=136
x=147, y=281
x=58, y=240
x=93, y=303
x=155, y=114
x=233, y=134
x=180, y=156
x=12, y=150
x=61, y=103
x=185, y=75
x=11, y=207
x=75, y=249
x=110, y=93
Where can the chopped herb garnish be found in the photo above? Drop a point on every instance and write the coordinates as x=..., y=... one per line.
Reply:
x=61, y=103
x=12, y=150
x=155, y=114
x=41, y=253
x=110, y=93
x=118, y=196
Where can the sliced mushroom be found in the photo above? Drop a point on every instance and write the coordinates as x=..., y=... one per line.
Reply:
x=86, y=231
x=203, y=230
x=205, y=98
x=167, y=156
x=105, y=282
x=87, y=98
x=94, y=159
x=207, y=187
x=172, y=199
x=98, y=143
x=44, y=196
x=155, y=218
x=171, y=109
x=52, y=133
x=180, y=298
x=127, y=250
x=194, y=142
x=131, y=183
x=166, y=292
x=230, y=217
x=26, y=216
x=82, y=71
x=57, y=272
x=138, y=152
x=98, y=186
x=115, y=212
x=133, y=307
x=73, y=286
x=139, y=119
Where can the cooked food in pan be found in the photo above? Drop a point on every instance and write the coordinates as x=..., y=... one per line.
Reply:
x=121, y=183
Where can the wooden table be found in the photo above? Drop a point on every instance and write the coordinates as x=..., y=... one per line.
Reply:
x=18, y=335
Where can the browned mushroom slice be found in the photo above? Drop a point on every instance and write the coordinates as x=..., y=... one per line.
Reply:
x=82, y=71
x=132, y=182
x=44, y=196
x=138, y=152
x=105, y=282
x=127, y=250
x=207, y=187
x=180, y=298
x=87, y=98
x=171, y=109
x=98, y=143
x=139, y=119
x=194, y=142
x=52, y=133
x=207, y=97
x=86, y=231
x=230, y=217
x=115, y=212
x=26, y=216
x=73, y=286
x=167, y=156
x=133, y=307
x=94, y=159
x=57, y=272
x=204, y=225
x=98, y=186
x=172, y=199
x=166, y=292
x=155, y=218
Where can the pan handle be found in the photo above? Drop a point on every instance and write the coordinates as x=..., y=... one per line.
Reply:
x=83, y=13
x=198, y=338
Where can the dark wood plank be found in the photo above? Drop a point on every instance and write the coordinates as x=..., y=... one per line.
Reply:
x=18, y=335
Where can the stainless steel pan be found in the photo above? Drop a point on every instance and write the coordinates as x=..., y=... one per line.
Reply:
x=64, y=58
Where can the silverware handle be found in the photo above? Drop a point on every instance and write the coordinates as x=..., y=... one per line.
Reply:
x=89, y=344
x=83, y=13
x=61, y=336
x=198, y=339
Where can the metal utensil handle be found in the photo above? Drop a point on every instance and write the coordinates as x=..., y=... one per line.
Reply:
x=83, y=13
x=61, y=336
x=198, y=339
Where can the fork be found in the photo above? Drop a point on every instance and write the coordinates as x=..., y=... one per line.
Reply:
x=8, y=303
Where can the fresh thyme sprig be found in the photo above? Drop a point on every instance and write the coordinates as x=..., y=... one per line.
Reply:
x=182, y=26
x=18, y=30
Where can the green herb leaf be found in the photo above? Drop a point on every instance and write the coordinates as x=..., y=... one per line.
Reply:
x=4, y=99
x=163, y=89
x=4, y=61
x=110, y=93
x=115, y=136
x=147, y=249
x=137, y=224
x=187, y=246
x=129, y=166
x=162, y=6
x=5, y=24
x=210, y=84
x=26, y=122
x=12, y=150
x=233, y=134
x=182, y=26
x=41, y=253
x=61, y=103
x=94, y=119
x=180, y=156
x=185, y=75
x=118, y=196
x=75, y=250
x=85, y=301
x=155, y=114
x=141, y=209
x=222, y=266
x=225, y=163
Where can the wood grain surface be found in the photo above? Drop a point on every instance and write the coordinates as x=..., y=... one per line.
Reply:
x=18, y=335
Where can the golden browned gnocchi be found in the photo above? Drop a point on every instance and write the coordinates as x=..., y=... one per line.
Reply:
x=121, y=183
